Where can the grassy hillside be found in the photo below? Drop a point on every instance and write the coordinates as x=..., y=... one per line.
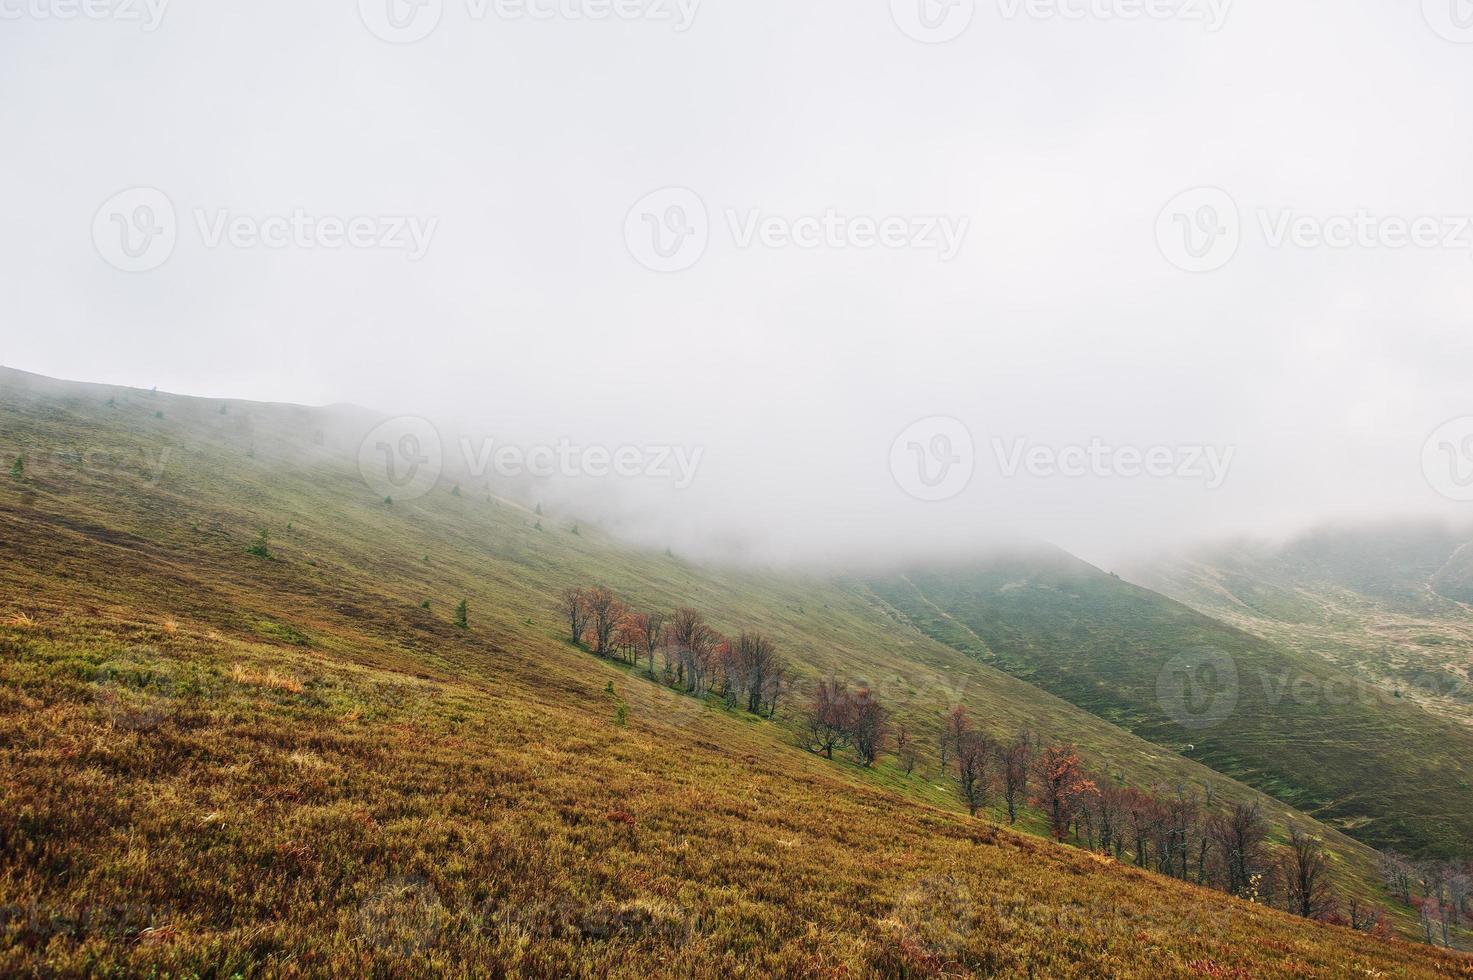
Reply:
x=1275, y=718
x=217, y=762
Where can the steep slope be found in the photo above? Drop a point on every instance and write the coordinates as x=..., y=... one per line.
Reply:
x=216, y=761
x=1275, y=718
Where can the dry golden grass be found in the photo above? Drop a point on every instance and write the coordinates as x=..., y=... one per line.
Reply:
x=266, y=678
x=389, y=824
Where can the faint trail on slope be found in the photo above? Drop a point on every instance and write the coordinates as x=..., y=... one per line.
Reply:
x=1433, y=577
x=948, y=616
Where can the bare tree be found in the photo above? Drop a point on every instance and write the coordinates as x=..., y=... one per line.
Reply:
x=974, y=756
x=575, y=610
x=1305, y=869
x=1178, y=830
x=905, y=747
x=604, y=613
x=653, y=635
x=1366, y=918
x=1238, y=836
x=1459, y=890
x=824, y=720
x=628, y=638
x=1108, y=817
x=754, y=667
x=953, y=727
x=866, y=724
x=1063, y=786
x=1143, y=815
x=694, y=643
x=1445, y=891
x=1015, y=764
x=777, y=687
x=1398, y=874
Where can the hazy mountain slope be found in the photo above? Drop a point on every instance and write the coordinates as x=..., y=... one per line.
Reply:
x=1274, y=718
x=1404, y=627
x=1390, y=562
x=218, y=739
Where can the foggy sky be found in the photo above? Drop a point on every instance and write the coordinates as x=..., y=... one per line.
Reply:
x=528, y=141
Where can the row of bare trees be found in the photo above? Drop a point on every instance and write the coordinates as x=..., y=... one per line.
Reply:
x=1174, y=832
x=1441, y=892
x=837, y=716
x=695, y=657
